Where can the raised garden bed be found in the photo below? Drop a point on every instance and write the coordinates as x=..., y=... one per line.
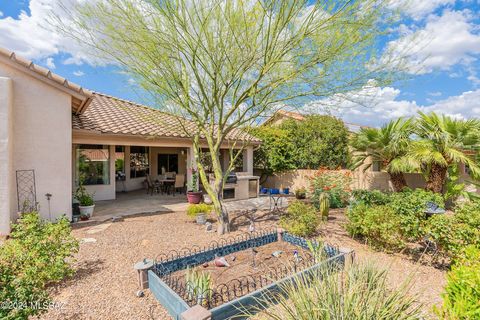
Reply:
x=255, y=269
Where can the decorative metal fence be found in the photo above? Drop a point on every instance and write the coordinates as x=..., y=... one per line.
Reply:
x=166, y=264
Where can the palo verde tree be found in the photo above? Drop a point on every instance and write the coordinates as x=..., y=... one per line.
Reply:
x=221, y=65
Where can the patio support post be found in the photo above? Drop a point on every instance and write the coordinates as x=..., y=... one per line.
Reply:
x=6, y=155
x=248, y=160
x=191, y=164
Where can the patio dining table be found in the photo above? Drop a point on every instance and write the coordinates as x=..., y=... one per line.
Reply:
x=276, y=199
x=166, y=184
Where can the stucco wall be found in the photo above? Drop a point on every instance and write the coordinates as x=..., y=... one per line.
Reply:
x=42, y=138
x=6, y=154
x=369, y=180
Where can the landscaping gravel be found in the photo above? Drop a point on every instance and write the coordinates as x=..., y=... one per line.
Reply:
x=105, y=285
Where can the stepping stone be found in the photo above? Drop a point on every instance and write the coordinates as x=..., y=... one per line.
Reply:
x=88, y=240
x=99, y=228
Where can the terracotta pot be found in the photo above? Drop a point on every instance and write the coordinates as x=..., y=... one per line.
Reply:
x=194, y=197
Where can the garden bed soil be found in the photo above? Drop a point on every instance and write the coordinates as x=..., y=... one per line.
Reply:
x=241, y=263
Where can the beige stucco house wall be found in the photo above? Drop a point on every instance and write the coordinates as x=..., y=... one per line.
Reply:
x=35, y=134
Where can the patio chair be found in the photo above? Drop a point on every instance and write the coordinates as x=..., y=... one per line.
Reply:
x=152, y=186
x=179, y=184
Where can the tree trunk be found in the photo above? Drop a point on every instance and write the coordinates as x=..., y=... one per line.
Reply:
x=436, y=178
x=398, y=181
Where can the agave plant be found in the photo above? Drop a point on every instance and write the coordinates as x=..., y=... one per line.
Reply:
x=386, y=145
x=444, y=142
x=359, y=293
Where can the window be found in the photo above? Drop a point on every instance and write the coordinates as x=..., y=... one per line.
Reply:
x=119, y=159
x=139, y=163
x=92, y=164
x=167, y=163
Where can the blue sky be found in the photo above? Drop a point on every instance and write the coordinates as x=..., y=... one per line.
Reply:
x=445, y=67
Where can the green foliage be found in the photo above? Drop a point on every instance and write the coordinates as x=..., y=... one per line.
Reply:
x=83, y=197
x=461, y=299
x=194, y=209
x=410, y=206
x=37, y=254
x=360, y=292
x=276, y=153
x=335, y=183
x=453, y=233
x=198, y=286
x=378, y=225
x=301, y=193
x=319, y=140
x=370, y=197
x=300, y=219
x=324, y=205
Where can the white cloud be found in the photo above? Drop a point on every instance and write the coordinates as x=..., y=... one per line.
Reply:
x=131, y=81
x=418, y=9
x=78, y=73
x=1, y=14
x=28, y=36
x=445, y=41
x=375, y=106
x=49, y=63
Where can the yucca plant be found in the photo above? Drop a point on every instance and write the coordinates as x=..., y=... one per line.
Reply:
x=385, y=145
x=360, y=292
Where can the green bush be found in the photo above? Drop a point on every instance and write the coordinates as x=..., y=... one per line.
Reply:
x=410, y=205
x=334, y=182
x=370, y=197
x=37, y=254
x=461, y=299
x=300, y=219
x=378, y=225
x=194, y=209
x=453, y=233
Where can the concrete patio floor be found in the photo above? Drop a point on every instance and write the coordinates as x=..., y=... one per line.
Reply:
x=139, y=202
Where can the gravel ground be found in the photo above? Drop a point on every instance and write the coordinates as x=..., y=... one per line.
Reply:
x=105, y=284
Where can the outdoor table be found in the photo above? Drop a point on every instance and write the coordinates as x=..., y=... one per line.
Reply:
x=276, y=199
x=166, y=182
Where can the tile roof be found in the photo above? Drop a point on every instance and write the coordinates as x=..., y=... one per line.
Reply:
x=82, y=96
x=111, y=115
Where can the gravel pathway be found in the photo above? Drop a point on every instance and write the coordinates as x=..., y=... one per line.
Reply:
x=105, y=285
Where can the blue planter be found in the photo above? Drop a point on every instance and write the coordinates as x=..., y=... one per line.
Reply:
x=264, y=190
x=274, y=191
x=286, y=190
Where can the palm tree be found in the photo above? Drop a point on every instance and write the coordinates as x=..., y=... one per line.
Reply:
x=443, y=142
x=385, y=145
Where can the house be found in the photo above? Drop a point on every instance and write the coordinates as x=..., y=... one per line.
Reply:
x=54, y=133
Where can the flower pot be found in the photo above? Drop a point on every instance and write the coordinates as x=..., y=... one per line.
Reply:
x=86, y=210
x=264, y=190
x=286, y=190
x=274, y=191
x=300, y=196
x=194, y=197
x=201, y=218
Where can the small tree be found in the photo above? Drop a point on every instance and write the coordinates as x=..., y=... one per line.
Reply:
x=387, y=145
x=220, y=65
x=320, y=141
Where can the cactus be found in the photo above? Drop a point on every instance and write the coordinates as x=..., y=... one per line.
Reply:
x=324, y=205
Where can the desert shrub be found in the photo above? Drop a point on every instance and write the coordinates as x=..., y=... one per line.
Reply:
x=461, y=299
x=37, y=253
x=194, y=209
x=334, y=182
x=300, y=219
x=410, y=205
x=360, y=292
x=378, y=225
x=453, y=233
x=370, y=197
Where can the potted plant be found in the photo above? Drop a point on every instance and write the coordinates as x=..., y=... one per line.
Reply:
x=199, y=212
x=301, y=193
x=85, y=200
x=194, y=196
